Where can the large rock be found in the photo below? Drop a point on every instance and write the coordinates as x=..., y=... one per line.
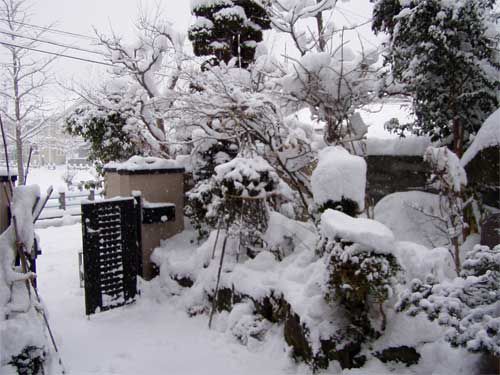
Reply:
x=404, y=354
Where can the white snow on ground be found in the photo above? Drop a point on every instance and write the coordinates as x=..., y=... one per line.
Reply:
x=44, y=177
x=150, y=337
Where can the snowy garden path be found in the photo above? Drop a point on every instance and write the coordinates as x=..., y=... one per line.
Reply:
x=150, y=337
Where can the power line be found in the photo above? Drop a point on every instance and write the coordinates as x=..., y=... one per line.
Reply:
x=354, y=13
x=56, y=54
x=49, y=29
x=67, y=56
x=49, y=42
x=359, y=34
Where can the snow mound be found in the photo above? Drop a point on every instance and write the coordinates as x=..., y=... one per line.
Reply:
x=137, y=163
x=339, y=175
x=367, y=232
x=488, y=136
x=413, y=216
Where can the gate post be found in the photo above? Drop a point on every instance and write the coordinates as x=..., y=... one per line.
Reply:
x=160, y=183
x=62, y=200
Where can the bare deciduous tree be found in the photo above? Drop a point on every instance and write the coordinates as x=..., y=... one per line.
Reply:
x=24, y=78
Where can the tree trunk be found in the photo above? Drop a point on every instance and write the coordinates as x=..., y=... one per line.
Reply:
x=17, y=108
x=458, y=137
x=319, y=22
x=20, y=159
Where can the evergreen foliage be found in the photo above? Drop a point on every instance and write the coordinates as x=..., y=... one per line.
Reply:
x=30, y=361
x=443, y=53
x=234, y=199
x=106, y=131
x=358, y=280
x=227, y=29
x=469, y=304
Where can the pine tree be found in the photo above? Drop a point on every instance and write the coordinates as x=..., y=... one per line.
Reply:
x=227, y=29
x=443, y=53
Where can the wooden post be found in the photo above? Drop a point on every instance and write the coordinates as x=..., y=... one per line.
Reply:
x=92, y=195
x=62, y=200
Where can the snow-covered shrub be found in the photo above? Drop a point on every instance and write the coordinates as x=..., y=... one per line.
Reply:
x=23, y=342
x=469, y=304
x=339, y=181
x=245, y=324
x=208, y=154
x=107, y=128
x=30, y=361
x=204, y=206
x=361, y=270
x=246, y=183
x=333, y=85
x=449, y=177
x=234, y=199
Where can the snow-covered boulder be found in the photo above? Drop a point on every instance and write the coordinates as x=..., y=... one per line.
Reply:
x=413, y=216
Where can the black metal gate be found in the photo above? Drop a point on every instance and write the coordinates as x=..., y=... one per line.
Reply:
x=110, y=253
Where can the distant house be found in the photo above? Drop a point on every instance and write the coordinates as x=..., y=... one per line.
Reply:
x=53, y=146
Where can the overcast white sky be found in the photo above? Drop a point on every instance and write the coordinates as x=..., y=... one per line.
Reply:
x=80, y=16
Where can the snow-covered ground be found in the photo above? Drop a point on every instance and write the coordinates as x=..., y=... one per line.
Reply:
x=150, y=337
x=44, y=177
x=155, y=335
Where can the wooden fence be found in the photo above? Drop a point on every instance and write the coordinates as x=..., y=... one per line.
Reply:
x=68, y=203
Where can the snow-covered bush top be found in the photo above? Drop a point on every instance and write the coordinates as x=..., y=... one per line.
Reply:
x=369, y=233
x=488, y=136
x=209, y=3
x=448, y=173
x=339, y=175
x=137, y=163
x=22, y=337
x=246, y=177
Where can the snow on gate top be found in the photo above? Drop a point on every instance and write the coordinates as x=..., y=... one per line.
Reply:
x=138, y=163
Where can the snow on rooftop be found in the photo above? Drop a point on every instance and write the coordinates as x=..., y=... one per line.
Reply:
x=367, y=232
x=488, y=136
x=137, y=163
x=339, y=175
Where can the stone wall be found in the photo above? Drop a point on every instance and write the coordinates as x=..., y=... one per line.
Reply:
x=387, y=174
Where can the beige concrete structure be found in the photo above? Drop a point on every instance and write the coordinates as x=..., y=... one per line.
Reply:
x=157, y=187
